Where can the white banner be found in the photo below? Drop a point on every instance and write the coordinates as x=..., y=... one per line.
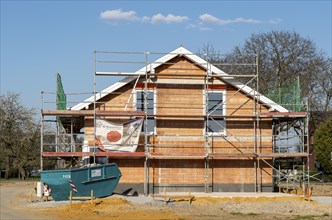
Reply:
x=118, y=137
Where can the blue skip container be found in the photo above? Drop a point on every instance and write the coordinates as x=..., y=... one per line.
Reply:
x=102, y=179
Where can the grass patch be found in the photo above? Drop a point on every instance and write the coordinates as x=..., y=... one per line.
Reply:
x=29, y=179
x=308, y=217
x=244, y=214
x=252, y=214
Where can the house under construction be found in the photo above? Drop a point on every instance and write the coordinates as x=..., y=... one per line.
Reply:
x=199, y=128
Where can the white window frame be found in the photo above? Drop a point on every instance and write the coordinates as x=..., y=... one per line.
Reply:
x=223, y=132
x=154, y=106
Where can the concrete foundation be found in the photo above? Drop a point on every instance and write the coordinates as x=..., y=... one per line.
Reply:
x=130, y=188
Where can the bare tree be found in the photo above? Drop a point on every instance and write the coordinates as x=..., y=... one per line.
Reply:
x=321, y=87
x=19, y=139
x=284, y=57
x=209, y=53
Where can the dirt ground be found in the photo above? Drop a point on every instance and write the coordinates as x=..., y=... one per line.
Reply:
x=17, y=203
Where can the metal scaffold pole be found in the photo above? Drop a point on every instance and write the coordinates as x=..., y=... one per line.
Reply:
x=258, y=134
x=308, y=141
x=206, y=87
x=94, y=107
x=255, y=133
x=146, y=144
x=42, y=132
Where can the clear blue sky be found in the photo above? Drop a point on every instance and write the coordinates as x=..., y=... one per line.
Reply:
x=39, y=39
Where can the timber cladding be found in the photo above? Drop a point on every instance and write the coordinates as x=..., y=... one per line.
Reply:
x=180, y=66
x=180, y=100
x=184, y=127
x=116, y=101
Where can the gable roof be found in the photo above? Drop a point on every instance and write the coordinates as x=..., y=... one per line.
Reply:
x=196, y=59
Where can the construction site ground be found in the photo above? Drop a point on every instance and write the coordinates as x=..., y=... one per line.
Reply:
x=19, y=201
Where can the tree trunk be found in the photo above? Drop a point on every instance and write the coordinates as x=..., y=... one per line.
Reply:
x=21, y=173
x=7, y=171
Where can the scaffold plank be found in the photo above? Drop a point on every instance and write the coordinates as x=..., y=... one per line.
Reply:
x=98, y=154
x=282, y=155
x=141, y=113
x=176, y=156
x=228, y=155
x=91, y=113
x=282, y=114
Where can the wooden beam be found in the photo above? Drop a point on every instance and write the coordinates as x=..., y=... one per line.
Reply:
x=282, y=155
x=132, y=113
x=77, y=113
x=201, y=116
x=176, y=156
x=173, y=156
x=91, y=113
x=282, y=114
x=149, y=74
x=228, y=155
x=98, y=154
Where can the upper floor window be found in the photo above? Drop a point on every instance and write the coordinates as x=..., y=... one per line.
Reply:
x=140, y=106
x=216, y=125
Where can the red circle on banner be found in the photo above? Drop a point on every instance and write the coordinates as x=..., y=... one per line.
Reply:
x=113, y=136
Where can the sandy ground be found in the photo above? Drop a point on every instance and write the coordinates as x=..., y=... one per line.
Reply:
x=16, y=203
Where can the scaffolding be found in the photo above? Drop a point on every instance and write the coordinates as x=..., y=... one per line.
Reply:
x=289, y=138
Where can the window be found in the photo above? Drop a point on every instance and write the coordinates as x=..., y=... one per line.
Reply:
x=150, y=108
x=215, y=107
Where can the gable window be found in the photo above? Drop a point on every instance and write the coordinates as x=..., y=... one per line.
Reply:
x=139, y=106
x=216, y=125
